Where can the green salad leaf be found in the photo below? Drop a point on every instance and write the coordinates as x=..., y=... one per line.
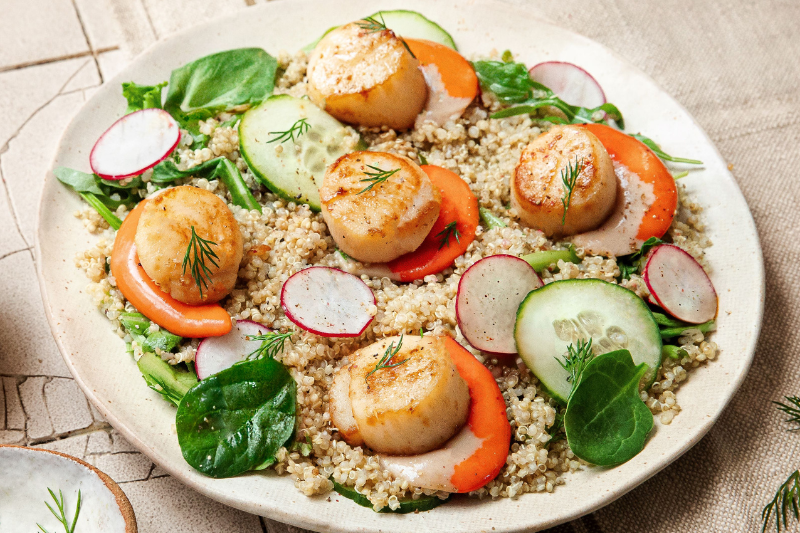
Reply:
x=220, y=168
x=424, y=503
x=171, y=382
x=91, y=188
x=512, y=84
x=630, y=264
x=142, y=96
x=606, y=421
x=237, y=419
x=220, y=82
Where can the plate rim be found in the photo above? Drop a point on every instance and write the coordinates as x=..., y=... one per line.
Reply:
x=288, y=516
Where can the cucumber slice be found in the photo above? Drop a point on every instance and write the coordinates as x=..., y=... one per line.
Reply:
x=563, y=312
x=405, y=23
x=291, y=169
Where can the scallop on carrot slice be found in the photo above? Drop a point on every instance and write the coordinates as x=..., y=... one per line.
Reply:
x=646, y=201
x=477, y=453
x=452, y=83
x=451, y=235
x=208, y=320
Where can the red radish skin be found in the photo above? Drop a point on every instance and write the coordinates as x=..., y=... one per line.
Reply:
x=570, y=82
x=679, y=284
x=328, y=302
x=489, y=294
x=215, y=354
x=134, y=143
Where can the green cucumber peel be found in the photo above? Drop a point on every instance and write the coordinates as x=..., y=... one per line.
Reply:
x=424, y=503
x=606, y=422
x=489, y=219
x=542, y=260
x=237, y=420
x=171, y=382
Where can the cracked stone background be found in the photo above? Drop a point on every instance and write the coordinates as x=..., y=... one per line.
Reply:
x=735, y=66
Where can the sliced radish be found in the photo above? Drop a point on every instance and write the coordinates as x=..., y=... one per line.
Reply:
x=570, y=83
x=679, y=284
x=215, y=354
x=489, y=294
x=328, y=302
x=134, y=143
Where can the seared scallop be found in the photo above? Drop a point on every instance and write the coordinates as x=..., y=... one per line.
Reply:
x=413, y=407
x=378, y=206
x=537, y=187
x=366, y=77
x=164, y=234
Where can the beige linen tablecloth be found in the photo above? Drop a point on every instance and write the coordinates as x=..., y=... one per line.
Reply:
x=735, y=65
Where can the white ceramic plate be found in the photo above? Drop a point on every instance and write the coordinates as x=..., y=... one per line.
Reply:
x=108, y=376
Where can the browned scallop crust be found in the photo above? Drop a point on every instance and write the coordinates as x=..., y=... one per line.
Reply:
x=165, y=231
x=367, y=78
x=537, y=189
x=385, y=222
x=411, y=408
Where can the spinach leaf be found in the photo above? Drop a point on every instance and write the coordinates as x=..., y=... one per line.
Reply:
x=236, y=420
x=220, y=168
x=630, y=264
x=219, y=82
x=169, y=381
x=424, y=503
x=650, y=143
x=512, y=84
x=142, y=96
x=89, y=187
x=606, y=422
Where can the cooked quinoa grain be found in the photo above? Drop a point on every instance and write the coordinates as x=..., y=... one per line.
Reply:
x=288, y=237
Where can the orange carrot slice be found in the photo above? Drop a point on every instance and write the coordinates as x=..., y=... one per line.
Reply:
x=459, y=205
x=487, y=420
x=457, y=74
x=208, y=320
x=650, y=169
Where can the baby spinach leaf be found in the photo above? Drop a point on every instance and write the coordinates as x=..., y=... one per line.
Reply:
x=512, y=84
x=220, y=168
x=169, y=381
x=90, y=188
x=236, y=420
x=142, y=96
x=606, y=422
x=630, y=264
x=219, y=82
x=424, y=503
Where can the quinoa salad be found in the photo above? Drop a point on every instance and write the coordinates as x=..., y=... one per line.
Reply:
x=293, y=246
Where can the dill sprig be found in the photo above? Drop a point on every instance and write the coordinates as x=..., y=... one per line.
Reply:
x=391, y=351
x=450, y=230
x=786, y=498
x=373, y=25
x=569, y=177
x=792, y=410
x=272, y=344
x=299, y=128
x=197, y=254
x=576, y=360
x=378, y=175
x=61, y=515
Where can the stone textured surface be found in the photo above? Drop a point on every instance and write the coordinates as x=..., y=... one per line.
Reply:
x=734, y=65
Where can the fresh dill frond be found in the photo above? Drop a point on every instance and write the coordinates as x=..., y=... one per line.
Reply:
x=450, y=230
x=378, y=175
x=61, y=515
x=298, y=128
x=272, y=344
x=569, y=177
x=786, y=499
x=197, y=254
x=422, y=159
x=390, y=352
x=373, y=25
x=576, y=360
x=792, y=410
